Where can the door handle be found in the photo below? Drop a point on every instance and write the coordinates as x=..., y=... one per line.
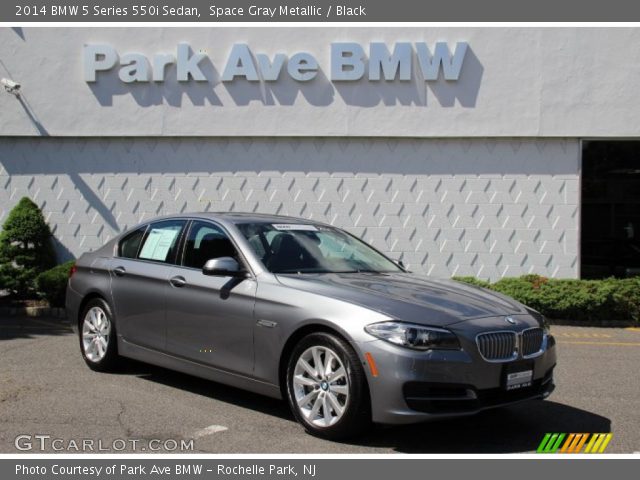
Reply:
x=178, y=281
x=119, y=271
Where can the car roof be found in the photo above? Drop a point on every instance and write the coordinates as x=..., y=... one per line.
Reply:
x=239, y=217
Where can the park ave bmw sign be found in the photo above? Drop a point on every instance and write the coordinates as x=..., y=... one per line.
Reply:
x=349, y=62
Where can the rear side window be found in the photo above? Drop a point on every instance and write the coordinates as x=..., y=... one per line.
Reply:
x=130, y=244
x=161, y=241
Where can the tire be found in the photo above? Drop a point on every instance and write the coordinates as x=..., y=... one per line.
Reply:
x=97, y=336
x=334, y=405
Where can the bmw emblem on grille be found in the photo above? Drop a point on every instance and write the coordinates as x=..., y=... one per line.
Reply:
x=510, y=320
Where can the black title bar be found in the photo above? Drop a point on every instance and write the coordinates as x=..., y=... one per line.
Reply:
x=24, y=11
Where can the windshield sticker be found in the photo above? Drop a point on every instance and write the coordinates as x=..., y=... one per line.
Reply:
x=295, y=226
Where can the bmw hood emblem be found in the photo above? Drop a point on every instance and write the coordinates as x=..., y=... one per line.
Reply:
x=510, y=320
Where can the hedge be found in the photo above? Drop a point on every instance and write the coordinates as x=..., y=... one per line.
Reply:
x=52, y=284
x=607, y=301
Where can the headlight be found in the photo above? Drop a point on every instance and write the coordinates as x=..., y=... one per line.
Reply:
x=414, y=336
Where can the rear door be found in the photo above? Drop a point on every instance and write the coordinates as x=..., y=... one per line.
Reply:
x=139, y=282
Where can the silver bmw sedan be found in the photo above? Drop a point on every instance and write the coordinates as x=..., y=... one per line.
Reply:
x=301, y=310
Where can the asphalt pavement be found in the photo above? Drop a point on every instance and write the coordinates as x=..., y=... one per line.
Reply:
x=50, y=401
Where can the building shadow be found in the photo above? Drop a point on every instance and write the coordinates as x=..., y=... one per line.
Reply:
x=42, y=131
x=12, y=327
x=465, y=90
x=94, y=200
x=63, y=254
x=19, y=31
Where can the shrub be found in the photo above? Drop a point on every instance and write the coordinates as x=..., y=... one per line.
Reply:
x=583, y=300
x=52, y=284
x=25, y=249
x=473, y=281
x=519, y=288
x=593, y=301
x=627, y=298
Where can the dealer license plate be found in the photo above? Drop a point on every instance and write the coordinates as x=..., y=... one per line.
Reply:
x=516, y=380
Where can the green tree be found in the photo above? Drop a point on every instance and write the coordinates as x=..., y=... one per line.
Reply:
x=25, y=249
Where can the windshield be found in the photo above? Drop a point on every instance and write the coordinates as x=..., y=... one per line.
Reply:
x=308, y=248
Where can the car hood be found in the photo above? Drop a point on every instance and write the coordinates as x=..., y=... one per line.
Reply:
x=408, y=297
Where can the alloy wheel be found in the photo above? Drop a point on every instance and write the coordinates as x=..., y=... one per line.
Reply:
x=96, y=332
x=321, y=386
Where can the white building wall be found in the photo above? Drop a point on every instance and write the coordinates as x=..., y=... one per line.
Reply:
x=524, y=82
x=483, y=207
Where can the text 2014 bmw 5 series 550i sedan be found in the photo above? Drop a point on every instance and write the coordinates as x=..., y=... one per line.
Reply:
x=305, y=311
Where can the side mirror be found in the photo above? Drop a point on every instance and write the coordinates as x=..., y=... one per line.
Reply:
x=223, y=267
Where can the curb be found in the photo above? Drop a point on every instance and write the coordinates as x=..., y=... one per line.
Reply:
x=54, y=312
x=592, y=323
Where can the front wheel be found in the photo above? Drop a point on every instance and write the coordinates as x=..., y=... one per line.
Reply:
x=98, y=336
x=327, y=388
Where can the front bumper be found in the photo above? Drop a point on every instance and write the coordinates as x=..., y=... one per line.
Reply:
x=413, y=386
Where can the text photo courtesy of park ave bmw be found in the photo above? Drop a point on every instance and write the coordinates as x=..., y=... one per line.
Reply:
x=316, y=238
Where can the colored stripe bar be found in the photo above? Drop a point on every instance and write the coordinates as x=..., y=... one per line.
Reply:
x=543, y=443
x=551, y=442
x=599, y=439
x=568, y=443
x=606, y=442
x=597, y=442
x=590, y=444
x=580, y=443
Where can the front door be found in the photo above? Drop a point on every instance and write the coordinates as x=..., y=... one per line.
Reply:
x=210, y=319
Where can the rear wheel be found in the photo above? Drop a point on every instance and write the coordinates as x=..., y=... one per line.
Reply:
x=98, y=336
x=326, y=387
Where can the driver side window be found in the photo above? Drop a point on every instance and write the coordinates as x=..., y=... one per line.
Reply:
x=204, y=242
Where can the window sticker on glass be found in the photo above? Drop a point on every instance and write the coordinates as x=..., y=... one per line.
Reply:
x=295, y=226
x=158, y=244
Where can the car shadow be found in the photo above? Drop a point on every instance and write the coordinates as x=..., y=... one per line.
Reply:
x=31, y=327
x=207, y=388
x=514, y=429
